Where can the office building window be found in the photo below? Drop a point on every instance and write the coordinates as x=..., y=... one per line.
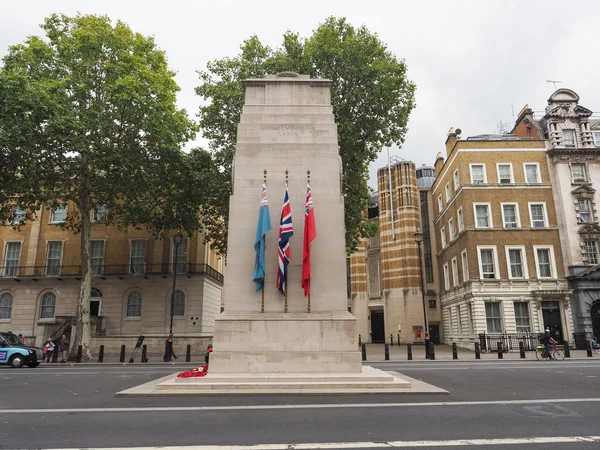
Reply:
x=487, y=262
x=478, y=175
x=522, y=317
x=568, y=137
x=596, y=138
x=53, y=258
x=18, y=215
x=578, y=173
x=443, y=234
x=181, y=256
x=440, y=203
x=99, y=213
x=12, y=255
x=461, y=220
x=510, y=215
x=134, y=304
x=138, y=256
x=97, y=257
x=47, y=306
x=482, y=215
x=446, y=277
x=538, y=215
x=447, y=188
x=515, y=262
x=465, y=265
x=58, y=214
x=456, y=180
x=179, y=304
x=532, y=173
x=493, y=317
x=455, y=272
x=451, y=228
x=585, y=210
x=6, y=302
x=505, y=173
x=544, y=262
x=591, y=251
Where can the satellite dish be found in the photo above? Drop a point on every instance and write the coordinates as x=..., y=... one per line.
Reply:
x=525, y=120
x=458, y=131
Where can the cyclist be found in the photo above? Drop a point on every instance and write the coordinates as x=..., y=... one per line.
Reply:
x=547, y=340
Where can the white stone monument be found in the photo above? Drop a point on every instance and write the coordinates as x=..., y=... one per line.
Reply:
x=287, y=124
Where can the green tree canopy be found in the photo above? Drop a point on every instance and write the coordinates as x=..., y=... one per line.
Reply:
x=88, y=117
x=372, y=100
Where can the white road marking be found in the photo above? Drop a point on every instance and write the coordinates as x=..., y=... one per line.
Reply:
x=307, y=406
x=390, y=444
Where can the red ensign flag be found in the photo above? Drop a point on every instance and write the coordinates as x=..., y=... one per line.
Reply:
x=310, y=233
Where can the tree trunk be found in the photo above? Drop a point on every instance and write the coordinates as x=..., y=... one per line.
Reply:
x=84, y=332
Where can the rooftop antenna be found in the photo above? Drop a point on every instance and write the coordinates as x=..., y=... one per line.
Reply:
x=554, y=82
x=503, y=128
x=513, y=111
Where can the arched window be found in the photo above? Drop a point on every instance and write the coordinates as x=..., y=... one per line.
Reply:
x=96, y=293
x=47, y=306
x=179, y=304
x=134, y=304
x=6, y=301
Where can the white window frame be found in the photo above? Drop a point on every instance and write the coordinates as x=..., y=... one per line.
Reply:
x=552, y=261
x=529, y=205
x=440, y=204
x=52, y=212
x=92, y=258
x=572, y=130
x=529, y=325
x=537, y=171
x=464, y=258
x=489, y=207
x=5, y=271
x=62, y=245
x=447, y=191
x=446, y=277
x=524, y=269
x=484, y=172
x=456, y=180
x=10, y=299
x=511, y=172
x=133, y=317
x=18, y=215
x=443, y=235
x=587, y=253
x=182, y=255
x=585, y=173
x=131, y=267
x=596, y=136
x=451, y=232
x=590, y=211
x=501, y=318
x=460, y=218
x=455, y=281
x=495, y=259
x=517, y=215
x=47, y=319
x=95, y=211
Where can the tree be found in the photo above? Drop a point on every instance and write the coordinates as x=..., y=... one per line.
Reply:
x=372, y=100
x=88, y=118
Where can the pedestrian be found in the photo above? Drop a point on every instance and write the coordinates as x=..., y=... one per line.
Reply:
x=21, y=339
x=208, y=352
x=595, y=345
x=169, y=349
x=48, y=350
x=63, y=348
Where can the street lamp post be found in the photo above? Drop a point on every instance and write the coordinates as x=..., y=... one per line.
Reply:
x=419, y=239
x=177, y=240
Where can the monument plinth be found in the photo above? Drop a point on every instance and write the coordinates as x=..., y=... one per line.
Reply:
x=287, y=124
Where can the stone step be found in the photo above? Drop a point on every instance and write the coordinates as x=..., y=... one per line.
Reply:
x=308, y=378
x=323, y=386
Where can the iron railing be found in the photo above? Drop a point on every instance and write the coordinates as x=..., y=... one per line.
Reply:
x=510, y=341
x=105, y=271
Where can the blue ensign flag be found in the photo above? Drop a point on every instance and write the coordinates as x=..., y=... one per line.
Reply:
x=262, y=228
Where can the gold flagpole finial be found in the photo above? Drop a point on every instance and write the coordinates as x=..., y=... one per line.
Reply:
x=286, y=176
x=308, y=175
x=265, y=177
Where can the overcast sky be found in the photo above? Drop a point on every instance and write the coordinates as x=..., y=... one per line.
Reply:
x=472, y=61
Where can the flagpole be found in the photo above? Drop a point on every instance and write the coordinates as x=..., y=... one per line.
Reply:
x=285, y=307
x=262, y=295
x=308, y=180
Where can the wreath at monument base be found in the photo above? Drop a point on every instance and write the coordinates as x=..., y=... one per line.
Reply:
x=201, y=371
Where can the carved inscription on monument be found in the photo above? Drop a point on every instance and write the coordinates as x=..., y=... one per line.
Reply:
x=280, y=133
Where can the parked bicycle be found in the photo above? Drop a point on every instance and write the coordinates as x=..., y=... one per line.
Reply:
x=555, y=353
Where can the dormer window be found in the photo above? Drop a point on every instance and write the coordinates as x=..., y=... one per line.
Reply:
x=568, y=137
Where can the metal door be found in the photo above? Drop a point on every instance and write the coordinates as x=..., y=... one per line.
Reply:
x=377, y=327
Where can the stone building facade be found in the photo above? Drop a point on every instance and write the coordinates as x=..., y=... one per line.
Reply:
x=499, y=254
x=40, y=280
x=385, y=280
x=572, y=136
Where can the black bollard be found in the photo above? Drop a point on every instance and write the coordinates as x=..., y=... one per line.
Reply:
x=454, y=351
x=567, y=349
x=398, y=338
x=364, y=352
x=589, y=349
x=78, y=355
x=522, y=350
x=427, y=347
x=144, y=353
x=101, y=354
x=188, y=353
x=359, y=340
x=431, y=351
x=392, y=340
x=500, y=354
x=122, y=356
x=409, y=351
x=477, y=351
x=387, y=352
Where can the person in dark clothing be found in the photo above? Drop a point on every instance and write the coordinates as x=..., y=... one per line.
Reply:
x=169, y=349
x=63, y=348
x=547, y=339
x=21, y=339
x=208, y=352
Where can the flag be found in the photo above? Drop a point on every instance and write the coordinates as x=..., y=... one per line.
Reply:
x=310, y=233
x=262, y=228
x=286, y=230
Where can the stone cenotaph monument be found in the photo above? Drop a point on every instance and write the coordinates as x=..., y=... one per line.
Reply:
x=287, y=124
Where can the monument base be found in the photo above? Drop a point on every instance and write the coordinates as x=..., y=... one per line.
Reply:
x=294, y=342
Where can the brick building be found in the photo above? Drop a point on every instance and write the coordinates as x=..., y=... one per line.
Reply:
x=499, y=254
x=385, y=282
x=132, y=284
x=572, y=136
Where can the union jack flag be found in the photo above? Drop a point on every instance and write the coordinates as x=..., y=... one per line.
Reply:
x=286, y=230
